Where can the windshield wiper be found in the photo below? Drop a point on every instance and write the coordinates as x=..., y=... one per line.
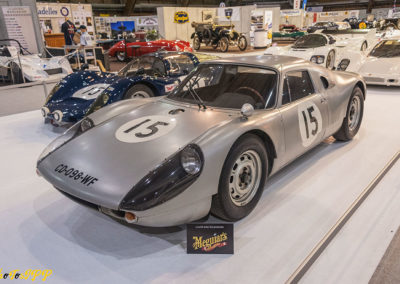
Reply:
x=196, y=96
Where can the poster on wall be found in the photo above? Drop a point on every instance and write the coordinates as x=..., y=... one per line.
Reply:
x=228, y=14
x=19, y=26
x=147, y=21
x=121, y=27
x=296, y=4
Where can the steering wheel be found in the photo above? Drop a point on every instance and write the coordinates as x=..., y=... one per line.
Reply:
x=257, y=93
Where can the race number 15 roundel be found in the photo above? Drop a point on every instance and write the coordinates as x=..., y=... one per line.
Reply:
x=310, y=122
x=145, y=128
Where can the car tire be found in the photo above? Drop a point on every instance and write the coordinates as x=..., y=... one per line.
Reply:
x=196, y=43
x=138, y=91
x=330, y=60
x=242, y=43
x=354, y=114
x=224, y=44
x=364, y=46
x=235, y=198
x=16, y=74
x=121, y=56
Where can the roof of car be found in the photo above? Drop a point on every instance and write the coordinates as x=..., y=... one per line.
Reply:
x=273, y=61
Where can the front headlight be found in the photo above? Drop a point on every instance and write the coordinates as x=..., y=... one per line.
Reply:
x=98, y=103
x=191, y=160
x=168, y=180
x=86, y=124
x=318, y=59
x=343, y=64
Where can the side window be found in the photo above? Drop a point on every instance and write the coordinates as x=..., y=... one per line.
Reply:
x=285, y=92
x=300, y=85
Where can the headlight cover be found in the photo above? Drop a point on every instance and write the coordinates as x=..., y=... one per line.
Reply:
x=166, y=181
x=343, y=64
x=318, y=59
x=99, y=102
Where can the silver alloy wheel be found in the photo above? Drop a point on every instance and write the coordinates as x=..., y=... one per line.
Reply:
x=354, y=113
x=245, y=178
x=139, y=94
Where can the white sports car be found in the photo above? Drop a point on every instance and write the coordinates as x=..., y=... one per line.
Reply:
x=381, y=66
x=14, y=64
x=325, y=49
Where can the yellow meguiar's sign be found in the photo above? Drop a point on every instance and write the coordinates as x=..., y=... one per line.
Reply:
x=181, y=17
x=32, y=274
x=210, y=244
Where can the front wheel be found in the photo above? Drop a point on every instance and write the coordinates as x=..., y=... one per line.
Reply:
x=352, y=122
x=242, y=179
x=224, y=44
x=196, y=43
x=139, y=91
x=330, y=60
x=242, y=43
x=121, y=56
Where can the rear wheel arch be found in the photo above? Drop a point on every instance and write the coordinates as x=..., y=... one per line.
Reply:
x=147, y=84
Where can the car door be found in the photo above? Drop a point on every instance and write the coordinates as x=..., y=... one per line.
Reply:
x=304, y=113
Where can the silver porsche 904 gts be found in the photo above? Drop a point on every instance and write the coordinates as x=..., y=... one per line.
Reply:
x=210, y=145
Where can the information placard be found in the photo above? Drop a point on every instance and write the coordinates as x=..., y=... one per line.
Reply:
x=19, y=26
x=205, y=238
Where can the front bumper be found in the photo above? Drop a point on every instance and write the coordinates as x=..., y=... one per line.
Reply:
x=175, y=215
x=381, y=79
x=65, y=112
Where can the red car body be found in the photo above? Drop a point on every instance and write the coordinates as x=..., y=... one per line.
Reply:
x=139, y=48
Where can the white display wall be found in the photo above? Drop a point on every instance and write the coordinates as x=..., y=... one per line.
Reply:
x=241, y=18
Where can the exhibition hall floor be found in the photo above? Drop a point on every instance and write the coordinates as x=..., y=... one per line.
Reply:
x=41, y=229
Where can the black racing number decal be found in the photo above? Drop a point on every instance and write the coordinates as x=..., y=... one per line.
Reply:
x=136, y=126
x=312, y=120
x=153, y=128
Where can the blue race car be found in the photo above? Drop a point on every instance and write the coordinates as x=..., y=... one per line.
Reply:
x=150, y=75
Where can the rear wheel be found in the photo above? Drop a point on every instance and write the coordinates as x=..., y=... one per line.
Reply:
x=352, y=122
x=364, y=46
x=330, y=60
x=242, y=43
x=139, y=91
x=242, y=179
x=196, y=43
x=224, y=44
x=121, y=56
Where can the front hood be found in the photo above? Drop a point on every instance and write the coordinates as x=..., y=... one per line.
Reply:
x=305, y=53
x=118, y=158
x=385, y=66
x=76, y=82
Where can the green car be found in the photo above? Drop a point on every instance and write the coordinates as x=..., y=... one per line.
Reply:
x=288, y=32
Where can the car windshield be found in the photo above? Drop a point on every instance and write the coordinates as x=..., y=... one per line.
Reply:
x=228, y=86
x=144, y=65
x=179, y=64
x=310, y=41
x=387, y=48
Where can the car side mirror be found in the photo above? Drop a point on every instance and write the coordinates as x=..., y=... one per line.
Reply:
x=247, y=110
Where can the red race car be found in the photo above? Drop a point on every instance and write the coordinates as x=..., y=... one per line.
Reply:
x=139, y=48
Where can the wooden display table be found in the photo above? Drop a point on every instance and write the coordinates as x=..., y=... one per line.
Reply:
x=54, y=40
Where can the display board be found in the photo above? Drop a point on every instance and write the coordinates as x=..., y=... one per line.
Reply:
x=19, y=25
x=52, y=16
x=104, y=24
